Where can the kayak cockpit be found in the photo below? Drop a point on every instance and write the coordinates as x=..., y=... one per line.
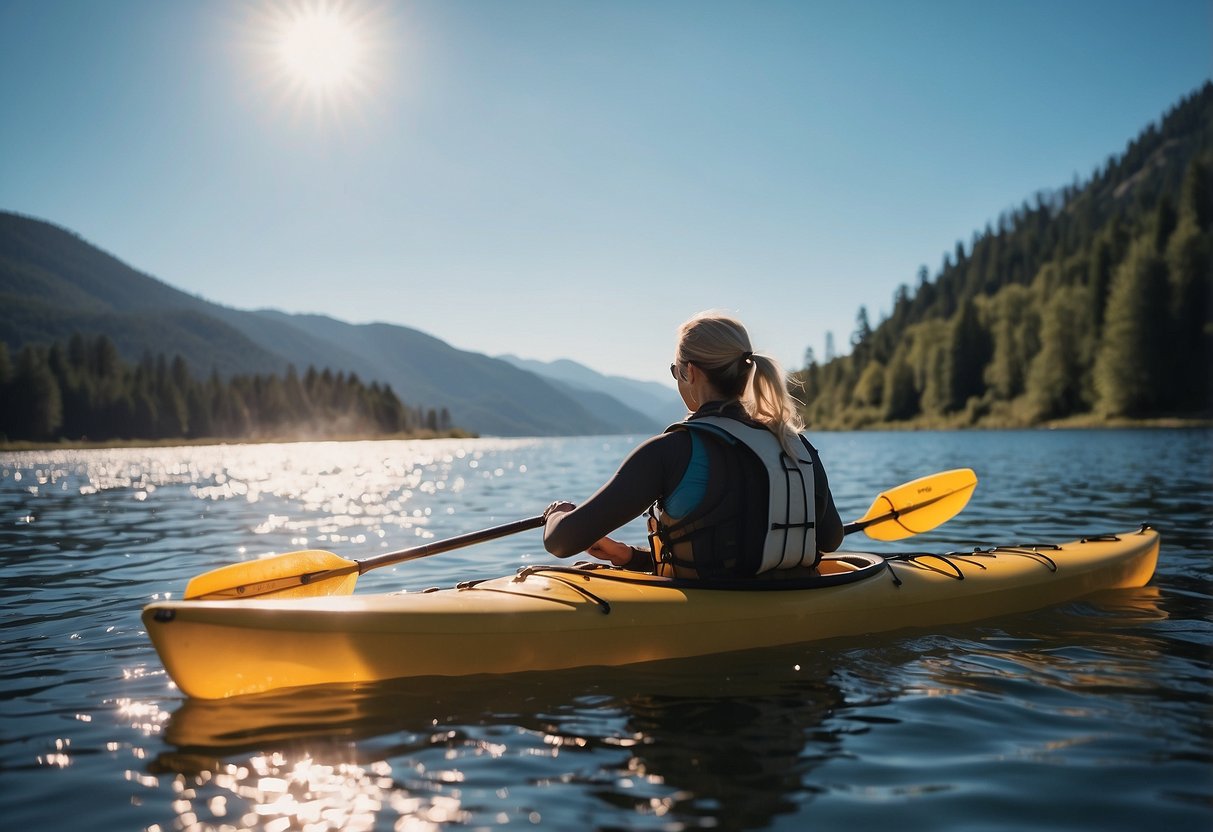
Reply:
x=833, y=570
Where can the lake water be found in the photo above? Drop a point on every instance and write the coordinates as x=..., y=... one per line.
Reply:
x=1093, y=715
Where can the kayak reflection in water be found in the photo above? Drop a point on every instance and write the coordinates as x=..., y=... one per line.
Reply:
x=734, y=491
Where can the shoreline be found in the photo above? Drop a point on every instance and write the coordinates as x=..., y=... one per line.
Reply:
x=1072, y=423
x=1082, y=422
x=88, y=445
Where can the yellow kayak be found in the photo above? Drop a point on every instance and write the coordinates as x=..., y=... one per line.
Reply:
x=553, y=617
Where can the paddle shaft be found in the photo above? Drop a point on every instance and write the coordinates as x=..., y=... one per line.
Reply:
x=458, y=542
x=435, y=548
x=858, y=526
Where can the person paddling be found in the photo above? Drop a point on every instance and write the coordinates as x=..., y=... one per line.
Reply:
x=733, y=491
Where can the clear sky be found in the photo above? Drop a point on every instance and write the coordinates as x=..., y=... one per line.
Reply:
x=569, y=179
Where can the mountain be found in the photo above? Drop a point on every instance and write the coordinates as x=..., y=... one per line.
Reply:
x=1093, y=302
x=53, y=283
x=478, y=389
x=658, y=404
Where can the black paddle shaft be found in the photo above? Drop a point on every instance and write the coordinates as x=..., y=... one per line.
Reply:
x=440, y=546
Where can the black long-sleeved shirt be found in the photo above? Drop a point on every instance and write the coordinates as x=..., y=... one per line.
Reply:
x=652, y=471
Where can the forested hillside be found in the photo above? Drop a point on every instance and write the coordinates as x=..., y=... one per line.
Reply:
x=1096, y=299
x=83, y=390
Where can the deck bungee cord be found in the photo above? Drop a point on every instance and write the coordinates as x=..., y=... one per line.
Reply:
x=600, y=571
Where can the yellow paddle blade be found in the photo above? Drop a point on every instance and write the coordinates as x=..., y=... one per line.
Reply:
x=289, y=575
x=918, y=506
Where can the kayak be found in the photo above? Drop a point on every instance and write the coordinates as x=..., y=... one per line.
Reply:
x=556, y=617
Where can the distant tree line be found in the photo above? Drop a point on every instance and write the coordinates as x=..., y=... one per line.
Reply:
x=1097, y=300
x=84, y=390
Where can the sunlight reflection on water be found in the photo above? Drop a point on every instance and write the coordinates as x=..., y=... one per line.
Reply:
x=1098, y=705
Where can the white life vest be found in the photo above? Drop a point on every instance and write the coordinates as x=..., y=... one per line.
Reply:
x=791, y=538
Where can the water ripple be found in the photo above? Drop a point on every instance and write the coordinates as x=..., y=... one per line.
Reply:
x=1094, y=714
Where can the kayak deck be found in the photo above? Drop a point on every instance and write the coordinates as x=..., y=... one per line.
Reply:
x=554, y=617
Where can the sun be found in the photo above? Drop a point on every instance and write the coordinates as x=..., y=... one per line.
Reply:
x=321, y=49
x=321, y=57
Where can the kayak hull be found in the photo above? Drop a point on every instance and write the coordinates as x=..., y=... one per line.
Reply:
x=562, y=617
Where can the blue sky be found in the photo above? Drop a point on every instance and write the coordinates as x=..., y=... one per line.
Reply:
x=572, y=179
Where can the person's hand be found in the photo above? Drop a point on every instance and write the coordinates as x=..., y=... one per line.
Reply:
x=617, y=553
x=558, y=507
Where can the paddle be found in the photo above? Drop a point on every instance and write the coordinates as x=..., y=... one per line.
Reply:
x=900, y=512
x=917, y=506
x=314, y=572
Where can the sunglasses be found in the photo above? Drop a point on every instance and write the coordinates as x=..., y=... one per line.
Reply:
x=675, y=373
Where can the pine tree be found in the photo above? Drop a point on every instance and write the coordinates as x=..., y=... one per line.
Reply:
x=926, y=357
x=869, y=389
x=273, y=405
x=34, y=398
x=900, y=397
x=181, y=374
x=1015, y=334
x=1189, y=256
x=863, y=328
x=1131, y=353
x=200, y=407
x=1055, y=381
x=7, y=394
x=966, y=357
x=107, y=363
x=77, y=352
x=1100, y=279
x=296, y=397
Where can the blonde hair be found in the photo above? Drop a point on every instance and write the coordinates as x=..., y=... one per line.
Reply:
x=720, y=346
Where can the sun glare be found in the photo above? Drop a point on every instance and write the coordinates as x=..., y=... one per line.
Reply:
x=321, y=49
x=322, y=57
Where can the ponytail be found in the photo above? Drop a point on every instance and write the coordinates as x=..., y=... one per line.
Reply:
x=720, y=346
x=770, y=402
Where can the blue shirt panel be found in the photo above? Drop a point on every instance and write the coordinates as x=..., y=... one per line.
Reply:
x=693, y=486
